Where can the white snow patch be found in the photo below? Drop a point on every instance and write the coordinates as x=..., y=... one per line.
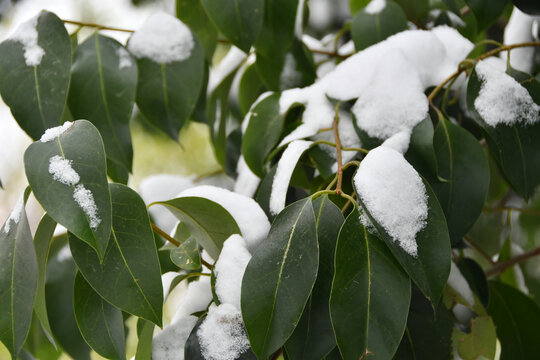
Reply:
x=399, y=142
x=85, y=200
x=519, y=30
x=394, y=195
x=502, y=100
x=27, y=35
x=234, y=58
x=64, y=254
x=53, y=133
x=222, y=335
x=62, y=171
x=229, y=270
x=457, y=282
x=169, y=343
x=15, y=215
x=375, y=7
x=246, y=182
x=397, y=70
x=249, y=216
x=124, y=58
x=163, y=39
x=284, y=171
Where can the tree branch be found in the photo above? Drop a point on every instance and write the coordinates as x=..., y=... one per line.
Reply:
x=165, y=236
x=97, y=26
x=500, y=267
x=338, y=150
x=512, y=208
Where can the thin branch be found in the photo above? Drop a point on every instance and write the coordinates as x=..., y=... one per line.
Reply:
x=329, y=143
x=478, y=249
x=511, y=208
x=165, y=236
x=97, y=26
x=205, y=263
x=500, y=267
x=338, y=150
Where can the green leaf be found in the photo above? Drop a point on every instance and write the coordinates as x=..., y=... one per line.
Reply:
x=313, y=338
x=239, y=20
x=476, y=278
x=18, y=280
x=480, y=342
x=416, y=10
x=102, y=91
x=100, y=323
x=192, y=13
x=186, y=256
x=357, y=5
x=463, y=164
x=486, y=12
x=368, y=29
x=42, y=245
x=82, y=147
x=430, y=269
x=249, y=89
x=289, y=70
x=263, y=132
x=37, y=94
x=129, y=276
x=279, y=278
x=145, y=336
x=426, y=337
x=421, y=154
x=516, y=317
x=370, y=294
x=207, y=221
x=277, y=32
x=515, y=148
x=167, y=93
x=59, y=294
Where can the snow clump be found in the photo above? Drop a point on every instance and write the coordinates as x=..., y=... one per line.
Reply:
x=15, y=215
x=27, y=35
x=394, y=194
x=62, y=171
x=85, y=200
x=375, y=7
x=53, y=133
x=502, y=100
x=124, y=58
x=162, y=39
x=222, y=335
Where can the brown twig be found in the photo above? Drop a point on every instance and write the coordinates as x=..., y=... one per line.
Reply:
x=207, y=264
x=500, y=267
x=97, y=26
x=478, y=249
x=511, y=208
x=165, y=236
x=338, y=151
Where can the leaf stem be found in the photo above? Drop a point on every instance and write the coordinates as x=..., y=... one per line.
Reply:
x=166, y=236
x=329, y=143
x=500, y=267
x=207, y=264
x=339, y=172
x=512, y=208
x=478, y=249
x=97, y=26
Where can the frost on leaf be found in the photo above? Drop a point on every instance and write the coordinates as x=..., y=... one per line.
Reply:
x=62, y=171
x=53, y=133
x=394, y=194
x=163, y=39
x=85, y=200
x=222, y=335
x=15, y=215
x=27, y=35
x=502, y=100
